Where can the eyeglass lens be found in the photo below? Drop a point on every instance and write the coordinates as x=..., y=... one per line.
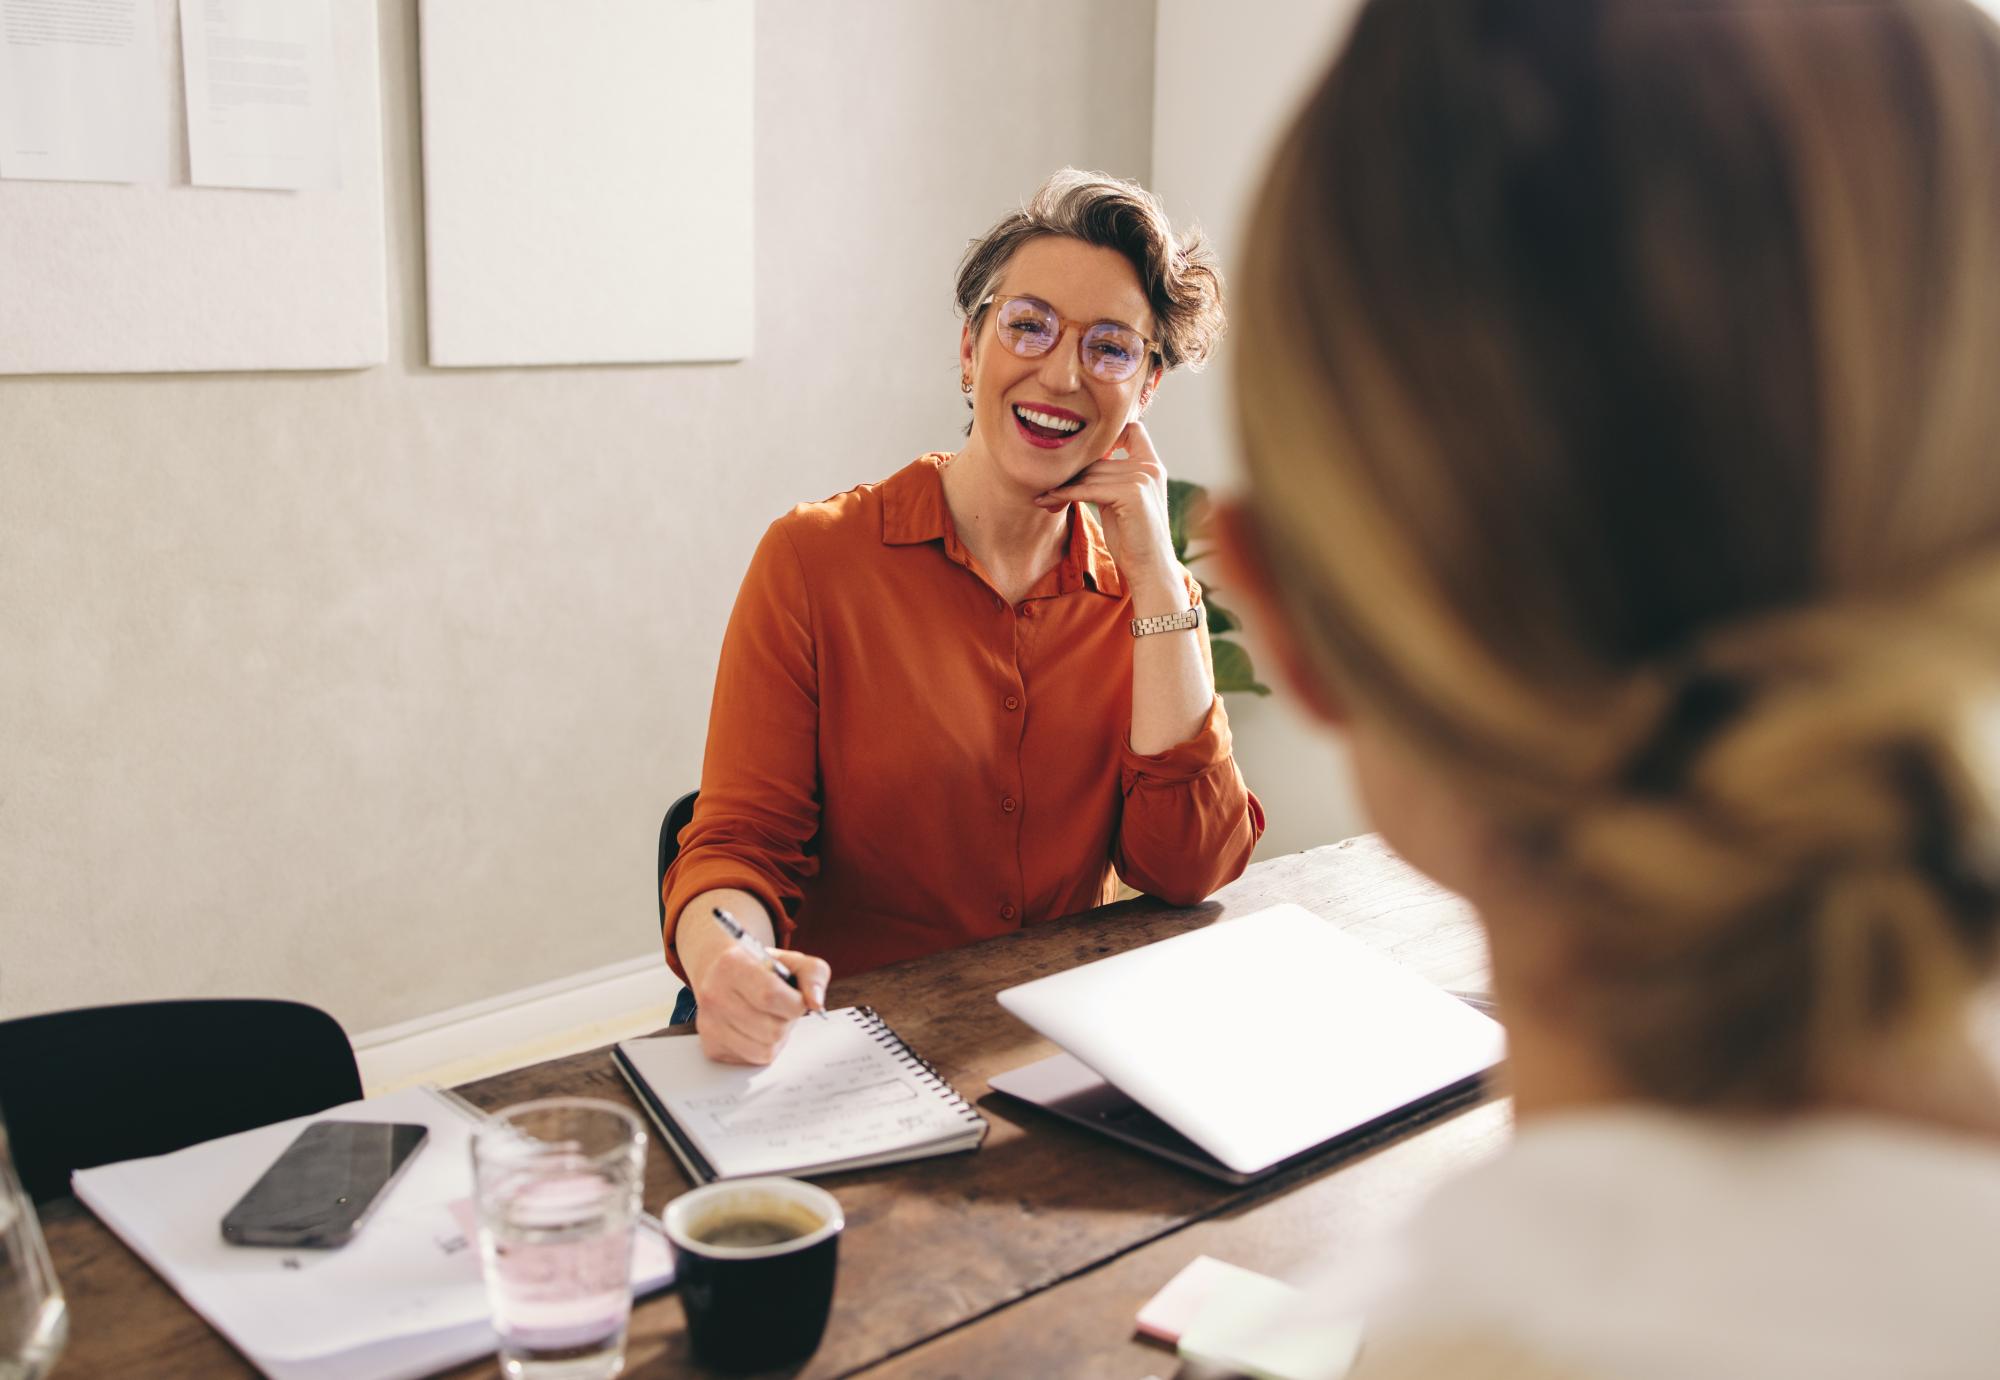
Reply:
x=1031, y=328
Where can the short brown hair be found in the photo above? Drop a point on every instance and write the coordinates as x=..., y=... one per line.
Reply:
x=1177, y=272
x=1619, y=405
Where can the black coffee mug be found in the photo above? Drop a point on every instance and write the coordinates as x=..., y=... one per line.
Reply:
x=754, y=1262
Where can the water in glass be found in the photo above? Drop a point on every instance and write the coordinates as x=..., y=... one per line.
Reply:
x=558, y=1200
x=33, y=1320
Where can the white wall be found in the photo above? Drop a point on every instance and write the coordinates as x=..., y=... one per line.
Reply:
x=1226, y=78
x=369, y=688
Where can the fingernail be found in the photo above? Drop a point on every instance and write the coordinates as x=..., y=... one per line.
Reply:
x=819, y=994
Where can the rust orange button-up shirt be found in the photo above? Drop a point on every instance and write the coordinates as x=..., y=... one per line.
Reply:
x=899, y=761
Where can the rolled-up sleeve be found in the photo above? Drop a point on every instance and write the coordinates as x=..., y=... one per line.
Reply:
x=1189, y=823
x=759, y=806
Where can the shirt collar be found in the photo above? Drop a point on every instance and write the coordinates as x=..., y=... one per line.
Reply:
x=914, y=511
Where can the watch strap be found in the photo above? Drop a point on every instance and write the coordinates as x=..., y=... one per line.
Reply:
x=1168, y=622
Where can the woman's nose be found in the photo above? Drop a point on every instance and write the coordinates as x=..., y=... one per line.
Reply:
x=1060, y=367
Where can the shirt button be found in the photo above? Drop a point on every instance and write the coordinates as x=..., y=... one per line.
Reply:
x=1013, y=702
x=1007, y=911
x=1026, y=610
x=1007, y=803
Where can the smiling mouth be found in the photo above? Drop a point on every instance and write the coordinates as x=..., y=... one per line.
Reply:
x=1043, y=428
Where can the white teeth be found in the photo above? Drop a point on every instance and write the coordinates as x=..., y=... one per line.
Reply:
x=1052, y=423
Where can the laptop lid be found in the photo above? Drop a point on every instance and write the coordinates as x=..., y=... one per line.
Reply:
x=1261, y=1037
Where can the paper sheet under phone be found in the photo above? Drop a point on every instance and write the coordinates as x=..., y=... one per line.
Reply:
x=262, y=109
x=404, y=1298
x=79, y=91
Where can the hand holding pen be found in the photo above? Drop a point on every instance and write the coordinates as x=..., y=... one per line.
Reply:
x=747, y=940
x=750, y=992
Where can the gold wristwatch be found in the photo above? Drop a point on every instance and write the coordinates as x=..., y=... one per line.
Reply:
x=1168, y=622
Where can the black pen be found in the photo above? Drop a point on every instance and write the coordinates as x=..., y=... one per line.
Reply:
x=762, y=954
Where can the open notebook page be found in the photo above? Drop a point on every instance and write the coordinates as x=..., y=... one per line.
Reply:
x=842, y=1092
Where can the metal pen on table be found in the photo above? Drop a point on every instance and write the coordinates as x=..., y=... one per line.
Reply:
x=757, y=950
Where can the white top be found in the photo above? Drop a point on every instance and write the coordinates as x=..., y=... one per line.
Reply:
x=1642, y=1245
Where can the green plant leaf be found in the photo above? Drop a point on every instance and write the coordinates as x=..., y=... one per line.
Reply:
x=1233, y=671
x=1184, y=500
x=1187, y=511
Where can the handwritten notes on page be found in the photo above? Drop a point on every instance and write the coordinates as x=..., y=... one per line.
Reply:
x=843, y=1093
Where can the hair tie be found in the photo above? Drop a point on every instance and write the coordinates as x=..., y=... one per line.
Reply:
x=1703, y=704
x=1955, y=853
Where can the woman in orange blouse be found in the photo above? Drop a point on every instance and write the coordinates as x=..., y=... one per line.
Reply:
x=954, y=703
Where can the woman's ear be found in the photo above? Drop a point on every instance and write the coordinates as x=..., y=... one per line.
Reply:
x=1147, y=389
x=1246, y=569
x=965, y=353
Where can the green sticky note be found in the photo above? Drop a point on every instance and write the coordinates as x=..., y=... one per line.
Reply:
x=1256, y=1326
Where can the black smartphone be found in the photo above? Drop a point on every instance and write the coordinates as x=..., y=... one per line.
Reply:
x=320, y=1190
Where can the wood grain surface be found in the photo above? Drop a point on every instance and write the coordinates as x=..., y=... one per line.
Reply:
x=1027, y=1257
x=1084, y=1327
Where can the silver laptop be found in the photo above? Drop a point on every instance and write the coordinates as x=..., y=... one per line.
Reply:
x=1242, y=1047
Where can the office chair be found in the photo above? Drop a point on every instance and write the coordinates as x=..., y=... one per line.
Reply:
x=679, y=815
x=107, y=1083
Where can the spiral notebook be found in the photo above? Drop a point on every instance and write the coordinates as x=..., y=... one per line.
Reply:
x=844, y=1093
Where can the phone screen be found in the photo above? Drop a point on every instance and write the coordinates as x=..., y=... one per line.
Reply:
x=320, y=1189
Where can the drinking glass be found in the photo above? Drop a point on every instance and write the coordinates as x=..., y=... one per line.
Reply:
x=557, y=1185
x=34, y=1322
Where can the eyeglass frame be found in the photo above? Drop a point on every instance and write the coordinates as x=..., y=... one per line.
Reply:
x=1065, y=322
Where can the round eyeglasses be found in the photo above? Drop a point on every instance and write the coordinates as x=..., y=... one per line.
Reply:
x=1029, y=327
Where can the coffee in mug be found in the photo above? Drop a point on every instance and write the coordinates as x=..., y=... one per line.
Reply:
x=755, y=1261
x=768, y=1224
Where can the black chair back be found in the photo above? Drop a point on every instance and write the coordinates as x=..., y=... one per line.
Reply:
x=107, y=1083
x=680, y=814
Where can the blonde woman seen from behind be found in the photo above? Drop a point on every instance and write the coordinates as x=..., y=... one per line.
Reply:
x=1617, y=384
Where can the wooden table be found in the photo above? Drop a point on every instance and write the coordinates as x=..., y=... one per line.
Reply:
x=1028, y=1257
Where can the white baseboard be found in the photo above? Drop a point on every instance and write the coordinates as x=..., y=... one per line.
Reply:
x=513, y=1029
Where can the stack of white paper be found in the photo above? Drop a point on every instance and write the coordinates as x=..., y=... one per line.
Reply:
x=404, y=1298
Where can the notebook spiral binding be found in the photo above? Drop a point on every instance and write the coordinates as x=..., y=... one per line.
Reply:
x=879, y=1031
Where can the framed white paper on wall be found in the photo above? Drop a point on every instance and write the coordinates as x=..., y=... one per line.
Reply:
x=587, y=180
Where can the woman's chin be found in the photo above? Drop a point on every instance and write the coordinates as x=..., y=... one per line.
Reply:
x=1034, y=471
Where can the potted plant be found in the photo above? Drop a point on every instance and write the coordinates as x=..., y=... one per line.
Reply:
x=1187, y=511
